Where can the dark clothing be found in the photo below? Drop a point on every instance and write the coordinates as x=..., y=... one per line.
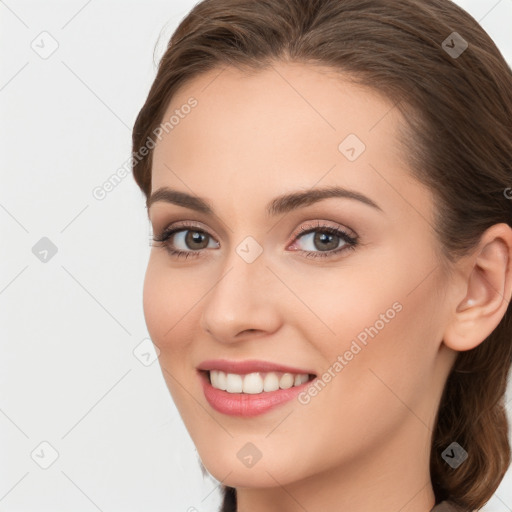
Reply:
x=447, y=506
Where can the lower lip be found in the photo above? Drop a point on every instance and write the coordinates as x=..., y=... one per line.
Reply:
x=247, y=404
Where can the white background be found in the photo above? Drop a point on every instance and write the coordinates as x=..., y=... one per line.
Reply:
x=68, y=375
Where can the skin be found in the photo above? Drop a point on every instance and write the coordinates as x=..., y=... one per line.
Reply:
x=363, y=443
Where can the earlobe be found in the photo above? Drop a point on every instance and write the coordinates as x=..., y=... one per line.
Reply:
x=487, y=286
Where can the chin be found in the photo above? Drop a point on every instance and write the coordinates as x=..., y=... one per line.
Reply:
x=232, y=472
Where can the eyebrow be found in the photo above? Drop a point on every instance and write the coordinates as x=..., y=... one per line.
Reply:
x=278, y=205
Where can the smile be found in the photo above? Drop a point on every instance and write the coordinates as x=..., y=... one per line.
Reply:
x=252, y=394
x=256, y=382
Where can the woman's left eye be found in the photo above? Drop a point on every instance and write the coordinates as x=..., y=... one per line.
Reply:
x=193, y=240
x=328, y=239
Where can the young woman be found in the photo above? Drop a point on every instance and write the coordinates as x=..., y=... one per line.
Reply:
x=328, y=184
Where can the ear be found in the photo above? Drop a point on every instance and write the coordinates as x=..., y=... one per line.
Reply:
x=486, y=287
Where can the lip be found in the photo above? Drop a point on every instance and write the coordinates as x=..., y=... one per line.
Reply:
x=246, y=404
x=249, y=366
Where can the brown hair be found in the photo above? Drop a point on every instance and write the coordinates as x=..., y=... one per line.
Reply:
x=458, y=110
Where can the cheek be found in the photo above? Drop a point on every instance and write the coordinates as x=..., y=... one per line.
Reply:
x=168, y=309
x=384, y=301
x=166, y=301
x=350, y=304
x=391, y=340
x=154, y=299
x=379, y=318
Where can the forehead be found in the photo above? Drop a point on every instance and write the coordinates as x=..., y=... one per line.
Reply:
x=310, y=103
x=282, y=128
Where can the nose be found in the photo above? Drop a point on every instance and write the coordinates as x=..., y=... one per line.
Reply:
x=244, y=301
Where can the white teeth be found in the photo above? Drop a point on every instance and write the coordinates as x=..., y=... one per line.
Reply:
x=271, y=382
x=219, y=378
x=256, y=382
x=253, y=383
x=286, y=381
x=234, y=383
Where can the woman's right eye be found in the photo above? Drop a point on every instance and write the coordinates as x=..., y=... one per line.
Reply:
x=185, y=241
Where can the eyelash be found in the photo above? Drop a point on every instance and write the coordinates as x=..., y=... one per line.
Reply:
x=350, y=242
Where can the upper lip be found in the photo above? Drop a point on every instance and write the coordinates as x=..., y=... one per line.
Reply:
x=248, y=366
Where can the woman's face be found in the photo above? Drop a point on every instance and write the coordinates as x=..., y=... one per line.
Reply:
x=261, y=279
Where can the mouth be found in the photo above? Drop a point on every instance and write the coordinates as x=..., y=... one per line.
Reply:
x=251, y=394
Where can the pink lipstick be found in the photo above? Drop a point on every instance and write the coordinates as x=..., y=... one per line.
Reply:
x=255, y=387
